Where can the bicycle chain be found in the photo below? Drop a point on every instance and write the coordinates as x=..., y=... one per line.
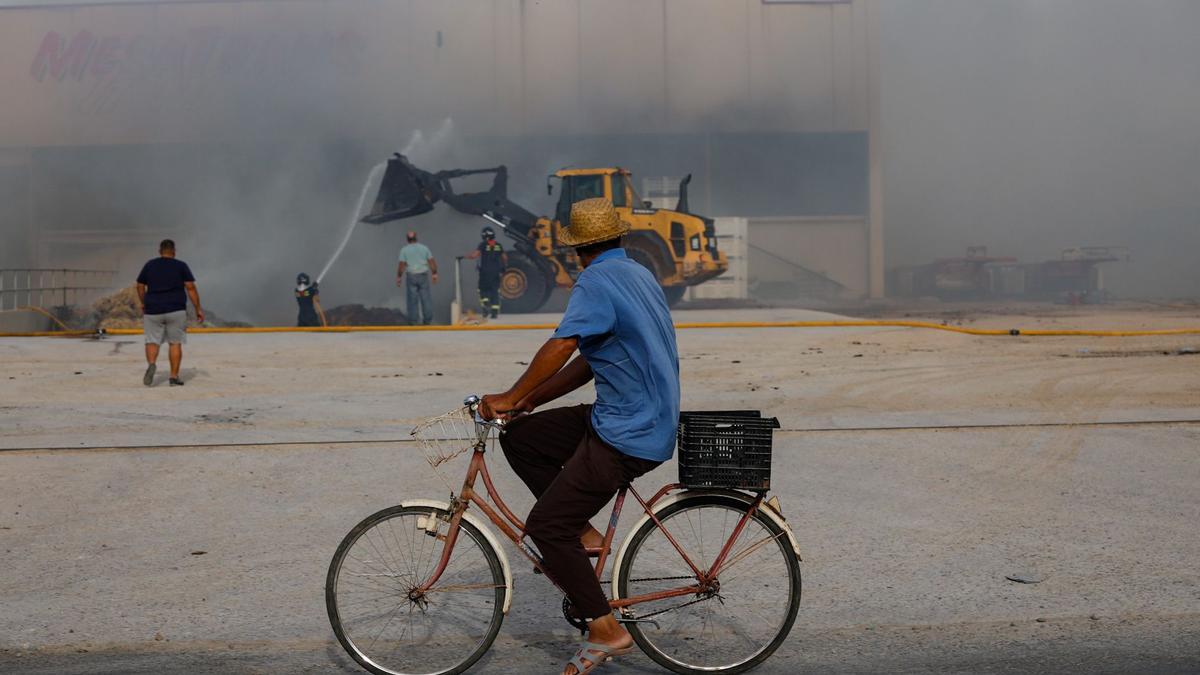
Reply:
x=609, y=581
x=681, y=606
x=669, y=609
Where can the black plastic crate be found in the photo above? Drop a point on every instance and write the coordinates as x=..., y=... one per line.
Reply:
x=725, y=449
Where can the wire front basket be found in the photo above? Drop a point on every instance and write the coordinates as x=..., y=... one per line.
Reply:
x=447, y=436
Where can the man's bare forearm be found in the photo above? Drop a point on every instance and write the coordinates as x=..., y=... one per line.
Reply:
x=195, y=296
x=141, y=291
x=571, y=377
x=548, y=361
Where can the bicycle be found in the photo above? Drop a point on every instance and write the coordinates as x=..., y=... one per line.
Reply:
x=400, y=604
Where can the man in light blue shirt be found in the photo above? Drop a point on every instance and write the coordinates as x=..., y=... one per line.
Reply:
x=417, y=261
x=575, y=459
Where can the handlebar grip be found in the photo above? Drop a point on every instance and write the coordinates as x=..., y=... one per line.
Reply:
x=472, y=403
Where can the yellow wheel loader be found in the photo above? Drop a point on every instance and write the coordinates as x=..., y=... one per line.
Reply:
x=679, y=247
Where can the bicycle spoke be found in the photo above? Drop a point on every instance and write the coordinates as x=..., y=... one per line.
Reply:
x=695, y=536
x=749, y=550
x=462, y=588
x=391, y=617
x=379, y=614
x=396, y=539
x=371, y=565
x=378, y=556
x=381, y=589
x=362, y=601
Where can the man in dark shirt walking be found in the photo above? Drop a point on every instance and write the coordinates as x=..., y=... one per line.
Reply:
x=163, y=287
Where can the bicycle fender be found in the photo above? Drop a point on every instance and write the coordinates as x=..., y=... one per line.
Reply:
x=693, y=494
x=487, y=534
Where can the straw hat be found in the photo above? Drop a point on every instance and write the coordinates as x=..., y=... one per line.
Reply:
x=593, y=221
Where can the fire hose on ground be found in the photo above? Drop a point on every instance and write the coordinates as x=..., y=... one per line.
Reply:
x=685, y=325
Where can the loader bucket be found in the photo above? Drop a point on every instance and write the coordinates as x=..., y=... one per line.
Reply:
x=403, y=193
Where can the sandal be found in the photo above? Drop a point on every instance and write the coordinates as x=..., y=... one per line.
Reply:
x=597, y=654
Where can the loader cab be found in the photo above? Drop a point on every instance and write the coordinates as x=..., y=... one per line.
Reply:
x=580, y=184
x=622, y=191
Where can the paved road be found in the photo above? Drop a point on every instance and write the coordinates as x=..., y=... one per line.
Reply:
x=908, y=535
x=1080, y=645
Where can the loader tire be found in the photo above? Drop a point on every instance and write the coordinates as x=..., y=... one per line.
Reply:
x=524, y=287
x=674, y=294
x=642, y=252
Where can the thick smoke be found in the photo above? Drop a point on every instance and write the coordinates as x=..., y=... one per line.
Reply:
x=1023, y=125
x=1031, y=126
x=248, y=139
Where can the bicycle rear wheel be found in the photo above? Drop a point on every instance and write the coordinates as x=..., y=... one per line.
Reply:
x=744, y=620
x=383, y=625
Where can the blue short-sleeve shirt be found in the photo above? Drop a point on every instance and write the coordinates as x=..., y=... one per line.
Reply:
x=416, y=258
x=619, y=314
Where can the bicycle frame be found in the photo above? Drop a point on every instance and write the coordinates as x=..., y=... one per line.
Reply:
x=513, y=528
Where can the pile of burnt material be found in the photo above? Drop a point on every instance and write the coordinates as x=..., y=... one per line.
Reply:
x=123, y=310
x=1074, y=278
x=358, y=315
x=119, y=310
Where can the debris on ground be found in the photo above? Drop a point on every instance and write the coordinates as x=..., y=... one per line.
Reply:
x=123, y=310
x=211, y=318
x=1085, y=353
x=471, y=318
x=358, y=315
x=1024, y=578
x=119, y=310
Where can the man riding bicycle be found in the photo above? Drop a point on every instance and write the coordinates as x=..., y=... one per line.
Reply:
x=575, y=459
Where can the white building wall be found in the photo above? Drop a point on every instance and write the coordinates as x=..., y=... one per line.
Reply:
x=201, y=71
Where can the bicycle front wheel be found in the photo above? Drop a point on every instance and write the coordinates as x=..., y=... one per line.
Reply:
x=384, y=623
x=749, y=612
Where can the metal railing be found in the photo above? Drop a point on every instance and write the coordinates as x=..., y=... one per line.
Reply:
x=45, y=287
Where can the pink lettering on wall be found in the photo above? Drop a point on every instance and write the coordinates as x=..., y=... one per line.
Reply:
x=105, y=58
x=60, y=58
x=195, y=53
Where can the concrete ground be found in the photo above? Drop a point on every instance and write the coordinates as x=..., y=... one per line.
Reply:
x=188, y=529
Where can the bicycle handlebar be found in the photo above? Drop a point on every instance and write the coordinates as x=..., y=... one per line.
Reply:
x=472, y=403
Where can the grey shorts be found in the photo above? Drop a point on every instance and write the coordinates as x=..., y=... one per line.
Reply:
x=170, y=328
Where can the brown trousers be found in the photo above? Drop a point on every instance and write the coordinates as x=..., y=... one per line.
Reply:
x=573, y=474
